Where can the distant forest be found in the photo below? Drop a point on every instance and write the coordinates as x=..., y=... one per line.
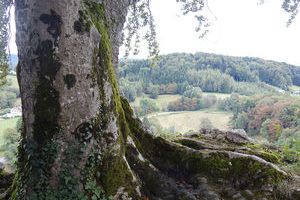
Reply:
x=175, y=73
x=12, y=61
x=178, y=72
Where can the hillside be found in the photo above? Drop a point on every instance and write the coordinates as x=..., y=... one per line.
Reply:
x=192, y=108
x=12, y=61
x=212, y=73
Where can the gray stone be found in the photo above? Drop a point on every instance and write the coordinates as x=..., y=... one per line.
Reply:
x=248, y=193
x=236, y=196
x=202, y=180
x=212, y=195
x=238, y=136
x=229, y=191
x=267, y=188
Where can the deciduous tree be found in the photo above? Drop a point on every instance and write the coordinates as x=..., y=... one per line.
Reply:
x=80, y=138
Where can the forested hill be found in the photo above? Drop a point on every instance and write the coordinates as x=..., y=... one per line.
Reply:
x=181, y=67
x=12, y=61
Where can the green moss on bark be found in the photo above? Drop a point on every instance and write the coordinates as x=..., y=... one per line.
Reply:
x=83, y=23
x=114, y=172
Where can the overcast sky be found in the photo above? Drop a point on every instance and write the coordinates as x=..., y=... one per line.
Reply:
x=242, y=28
x=239, y=28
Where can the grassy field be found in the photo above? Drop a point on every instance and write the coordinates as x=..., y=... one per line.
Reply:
x=162, y=101
x=294, y=87
x=218, y=95
x=185, y=121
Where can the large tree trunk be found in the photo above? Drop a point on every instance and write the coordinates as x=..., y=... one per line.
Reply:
x=71, y=105
x=81, y=140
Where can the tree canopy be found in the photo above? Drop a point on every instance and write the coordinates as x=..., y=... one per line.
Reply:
x=4, y=35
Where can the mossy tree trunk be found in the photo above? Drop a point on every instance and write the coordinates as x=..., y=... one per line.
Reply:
x=71, y=106
x=80, y=139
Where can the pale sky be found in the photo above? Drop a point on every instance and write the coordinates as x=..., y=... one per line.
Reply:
x=239, y=28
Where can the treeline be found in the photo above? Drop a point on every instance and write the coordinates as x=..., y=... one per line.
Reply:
x=12, y=61
x=174, y=73
x=9, y=147
x=8, y=94
x=175, y=67
x=274, y=117
x=192, y=100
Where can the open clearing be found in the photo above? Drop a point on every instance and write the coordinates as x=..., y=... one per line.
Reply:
x=185, y=121
x=162, y=101
x=294, y=87
x=218, y=95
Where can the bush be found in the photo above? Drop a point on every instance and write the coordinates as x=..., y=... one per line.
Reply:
x=147, y=106
x=154, y=125
x=9, y=148
x=7, y=99
x=130, y=89
x=194, y=92
x=209, y=101
x=153, y=91
x=185, y=103
x=206, y=123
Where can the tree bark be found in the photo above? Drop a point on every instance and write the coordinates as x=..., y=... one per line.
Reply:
x=71, y=105
x=81, y=140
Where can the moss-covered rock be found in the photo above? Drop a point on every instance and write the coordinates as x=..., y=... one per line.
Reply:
x=224, y=164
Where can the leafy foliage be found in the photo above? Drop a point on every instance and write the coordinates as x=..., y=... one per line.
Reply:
x=9, y=93
x=140, y=18
x=9, y=147
x=186, y=103
x=194, y=92
x=147, y=106
x=206, y=123
x=4, y=34
x=291, y=6
x=177, y=73
x=276, y=118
